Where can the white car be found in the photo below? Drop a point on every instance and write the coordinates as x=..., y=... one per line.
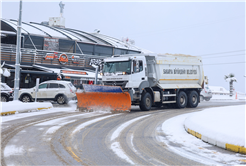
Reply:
x=6, y=93
x=60, y=91
x=206, y=94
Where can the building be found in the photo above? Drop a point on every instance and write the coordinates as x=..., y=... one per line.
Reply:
x=49, y=52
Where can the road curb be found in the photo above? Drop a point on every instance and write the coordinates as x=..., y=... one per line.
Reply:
x=224, y=145
x=23, y=111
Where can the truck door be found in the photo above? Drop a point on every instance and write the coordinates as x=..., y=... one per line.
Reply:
x=138, y=73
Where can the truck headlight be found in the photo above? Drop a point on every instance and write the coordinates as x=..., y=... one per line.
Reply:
x=101, y=74
x=124, y=73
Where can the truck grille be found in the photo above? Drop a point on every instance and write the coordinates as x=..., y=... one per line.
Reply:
x=116, y=83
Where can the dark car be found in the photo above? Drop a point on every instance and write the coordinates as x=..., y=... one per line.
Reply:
x=6, y=93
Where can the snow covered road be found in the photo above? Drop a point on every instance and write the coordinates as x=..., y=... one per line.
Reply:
x=68, y=137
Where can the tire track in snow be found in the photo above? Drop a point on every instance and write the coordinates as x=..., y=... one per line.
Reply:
x=83, y=125
x=115, y=146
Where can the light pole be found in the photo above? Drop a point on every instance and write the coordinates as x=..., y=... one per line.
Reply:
x=18, y=54
x=96, y=73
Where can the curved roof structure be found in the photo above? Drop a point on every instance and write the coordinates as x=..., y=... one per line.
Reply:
x=37, y=29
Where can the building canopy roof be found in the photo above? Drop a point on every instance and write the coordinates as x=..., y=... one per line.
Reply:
x=38, y=29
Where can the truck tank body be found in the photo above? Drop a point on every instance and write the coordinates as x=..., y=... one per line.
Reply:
x=179, y=71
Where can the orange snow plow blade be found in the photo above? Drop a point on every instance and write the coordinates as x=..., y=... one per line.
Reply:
x=98, y=97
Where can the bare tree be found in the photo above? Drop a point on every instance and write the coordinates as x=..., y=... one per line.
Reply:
x=231, y=78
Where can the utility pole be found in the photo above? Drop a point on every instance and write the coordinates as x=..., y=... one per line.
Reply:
x=18, y=54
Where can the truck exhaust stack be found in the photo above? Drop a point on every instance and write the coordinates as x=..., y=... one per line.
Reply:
x=97, y=97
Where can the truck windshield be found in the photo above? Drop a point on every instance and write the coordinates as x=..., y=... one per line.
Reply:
x=113, y=67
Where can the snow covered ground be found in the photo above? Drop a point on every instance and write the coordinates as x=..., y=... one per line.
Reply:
x=226, y=124
x=222, y=123
x=31, y=109
x=227, y=97
x=19, y=106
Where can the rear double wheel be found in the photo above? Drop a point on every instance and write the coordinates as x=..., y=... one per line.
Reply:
x=181, y=100
x=146, y=102
x=192, y=99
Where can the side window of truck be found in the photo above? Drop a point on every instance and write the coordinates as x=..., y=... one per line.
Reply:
x=140, y=66
x=137, y=66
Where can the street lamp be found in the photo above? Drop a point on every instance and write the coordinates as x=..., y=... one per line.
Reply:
x=18, y=54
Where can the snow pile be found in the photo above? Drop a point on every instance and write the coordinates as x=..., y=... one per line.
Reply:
x=223, y=124
x=24, y=107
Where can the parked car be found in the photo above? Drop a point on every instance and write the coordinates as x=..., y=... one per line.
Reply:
x=206, y=94
x=60, y=91
x=6, y=93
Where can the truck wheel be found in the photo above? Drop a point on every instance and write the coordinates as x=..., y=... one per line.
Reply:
x=181, y=101
x=201, y=98
x=192, y=99
x=207, y=99
x=146, y=102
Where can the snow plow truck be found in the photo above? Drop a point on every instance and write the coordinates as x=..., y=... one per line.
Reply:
x=146, y=80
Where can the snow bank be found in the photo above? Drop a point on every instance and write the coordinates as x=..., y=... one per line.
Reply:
x=224, y=124
x=24, y=107
x=191, y=147
x=227, y=97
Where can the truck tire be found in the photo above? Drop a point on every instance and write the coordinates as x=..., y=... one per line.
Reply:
x=181, y=101
x=192, y=99
x=207, y=99
x=201, y=98
x=146, y=102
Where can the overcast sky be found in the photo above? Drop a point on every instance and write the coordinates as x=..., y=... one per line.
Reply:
x=213, y=30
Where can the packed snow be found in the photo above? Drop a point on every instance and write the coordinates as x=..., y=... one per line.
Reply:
x=124, y=125
x=115, y=145
x=83, y=125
